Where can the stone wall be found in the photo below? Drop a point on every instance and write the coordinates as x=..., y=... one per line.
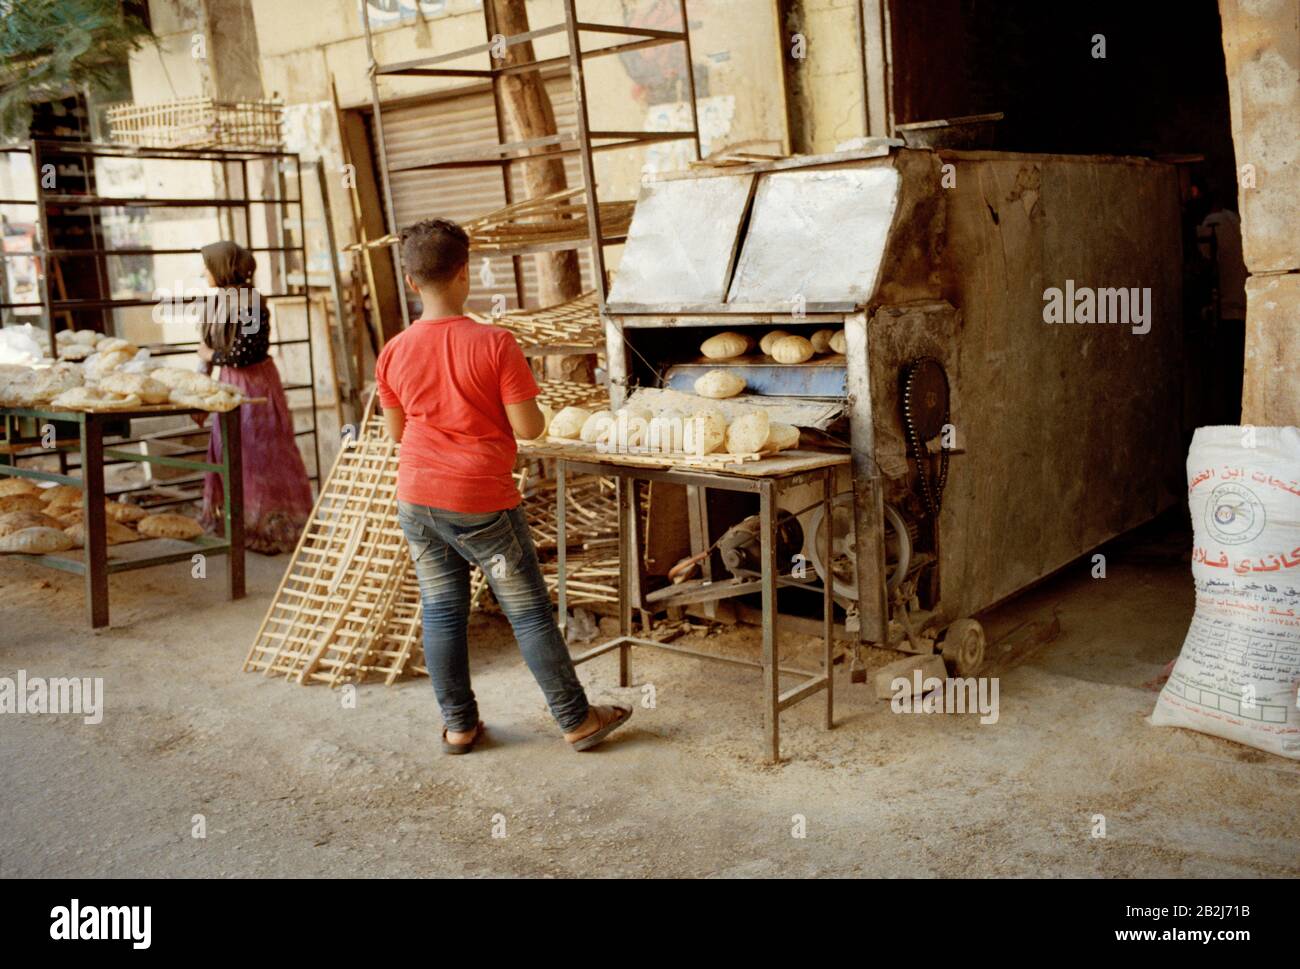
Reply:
x=1261, y=43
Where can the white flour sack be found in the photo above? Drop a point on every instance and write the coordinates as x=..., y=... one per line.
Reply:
x=1238, y=673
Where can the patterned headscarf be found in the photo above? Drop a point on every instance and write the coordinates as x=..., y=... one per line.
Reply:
x=232, y=267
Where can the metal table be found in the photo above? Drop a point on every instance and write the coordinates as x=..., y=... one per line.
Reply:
x=766, y=478
x=94, y=561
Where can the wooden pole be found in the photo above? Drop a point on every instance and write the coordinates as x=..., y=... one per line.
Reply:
x=530, y=114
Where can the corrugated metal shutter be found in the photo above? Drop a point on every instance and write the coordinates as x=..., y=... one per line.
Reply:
x=467, y=121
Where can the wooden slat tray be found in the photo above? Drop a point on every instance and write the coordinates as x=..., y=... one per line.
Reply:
x=145, y=410
x=749, y=465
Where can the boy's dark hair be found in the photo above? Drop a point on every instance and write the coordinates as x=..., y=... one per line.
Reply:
x=434, y=250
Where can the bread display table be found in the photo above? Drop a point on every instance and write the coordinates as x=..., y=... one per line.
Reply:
x=766, y=478
x=22, y=428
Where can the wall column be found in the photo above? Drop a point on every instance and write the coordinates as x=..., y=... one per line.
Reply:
x=1261, y=45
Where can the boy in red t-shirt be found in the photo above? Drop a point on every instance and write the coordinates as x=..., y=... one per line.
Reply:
x=455, y=395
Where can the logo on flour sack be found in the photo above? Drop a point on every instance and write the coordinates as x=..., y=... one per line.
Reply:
x=1234, y=514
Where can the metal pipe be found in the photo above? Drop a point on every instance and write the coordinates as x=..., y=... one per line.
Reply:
x=390, y=214
x=588, y=167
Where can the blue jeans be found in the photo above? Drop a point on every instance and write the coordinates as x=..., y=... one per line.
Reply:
x=444, y=544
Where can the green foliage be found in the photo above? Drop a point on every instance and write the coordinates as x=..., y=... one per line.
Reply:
x=51, y=48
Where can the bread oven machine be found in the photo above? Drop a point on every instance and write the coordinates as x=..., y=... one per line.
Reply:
x=1009, y=386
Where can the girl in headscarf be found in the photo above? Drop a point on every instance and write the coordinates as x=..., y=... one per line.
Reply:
x=236, y=336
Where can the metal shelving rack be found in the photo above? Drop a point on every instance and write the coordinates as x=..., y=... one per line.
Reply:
x=505, y=154
x=230, y=160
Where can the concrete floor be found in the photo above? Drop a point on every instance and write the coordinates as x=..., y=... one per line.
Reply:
x=290, y=782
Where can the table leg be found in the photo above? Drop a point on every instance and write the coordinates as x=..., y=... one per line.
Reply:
x=232, y=471
x=771, y=658
x=626, y=529
x=828, y=603
x=95, y=550
x=561, y=551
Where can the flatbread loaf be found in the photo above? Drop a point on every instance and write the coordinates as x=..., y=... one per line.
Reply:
x=66, y=514
x=16, y=486
x=791, y=349
x=222, y=401
x=595, y=427
x=146, y=388
x=719, y=384
x=105, y=363
x=186, y=381
x=44, y=385
x=75, y=351
x=35, y=541
x=770, y=337
x=61, y=494
x=169, y=525
x=20, y=503
x=120, y=511
x=724, y=346
x=112, y=344
x=568, y=423
x=748, y=433
x=706, y=432
x=92, y=398
x=114, y=533
x=16, y=521
x=821, y=341
x=781, y=437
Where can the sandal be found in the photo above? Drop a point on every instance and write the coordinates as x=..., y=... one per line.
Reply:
x=621, y=715
x=450, y=748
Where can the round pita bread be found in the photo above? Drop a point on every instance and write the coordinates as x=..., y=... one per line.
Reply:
x=16, y=521
x=169, y=525
x=35, y=541
x=17, y=486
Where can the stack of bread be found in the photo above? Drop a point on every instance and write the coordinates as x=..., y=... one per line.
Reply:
x=40, y=521
x=781, y=346
x=703, y=430
x=95, y=372
x=190, y=389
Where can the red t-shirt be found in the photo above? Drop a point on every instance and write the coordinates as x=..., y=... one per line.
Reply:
x=453, y=378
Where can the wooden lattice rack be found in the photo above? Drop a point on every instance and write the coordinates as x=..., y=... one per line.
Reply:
x=557, y=394
x=336, y=597
x=198, y=122
x=592, y=518
x=348, y=607
x=570, y=327
x=547, y=221
x=553, y=218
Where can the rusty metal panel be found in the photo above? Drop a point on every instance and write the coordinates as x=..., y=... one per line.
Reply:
x=682, y=243
x=816, y=235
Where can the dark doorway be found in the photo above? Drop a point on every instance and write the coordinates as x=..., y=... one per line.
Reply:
x=1111, y=77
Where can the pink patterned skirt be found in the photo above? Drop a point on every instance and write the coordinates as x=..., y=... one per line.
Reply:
x=277, y=492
